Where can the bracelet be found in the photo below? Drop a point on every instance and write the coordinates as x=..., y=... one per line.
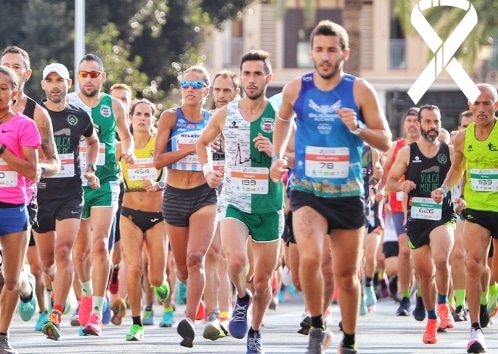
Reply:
x=206, y=168
x=445, y=190
x=275, y=158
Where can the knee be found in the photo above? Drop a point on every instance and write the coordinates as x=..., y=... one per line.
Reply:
x=261, y=284
x=309, y=260
x=237, y=262
x=99, y=247
x=135, y=270
x=156, y=279
x=346, y=282
x=472, y=266
x=195, y=260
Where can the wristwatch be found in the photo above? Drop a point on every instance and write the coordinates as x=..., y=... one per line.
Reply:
x=359, y=127
x=91, y=166
x=161, y=185
x=2, y=149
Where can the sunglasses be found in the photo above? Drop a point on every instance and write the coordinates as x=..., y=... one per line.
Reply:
x=92, y=74
x=196, y=85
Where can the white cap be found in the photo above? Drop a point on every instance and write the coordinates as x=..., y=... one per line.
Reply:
x=56, y=68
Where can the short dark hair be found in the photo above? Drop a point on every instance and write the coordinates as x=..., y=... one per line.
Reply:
x=257, y=55
x=463, y=115
x=228, y=74
x=93, y=57
x=428, y=107
x=329, y=28
x=17, y=50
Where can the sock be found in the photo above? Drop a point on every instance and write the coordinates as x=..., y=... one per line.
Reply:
x=348, y=341
x=431, y=314
x=59, y=308
x=136, y=320
x=225, y=315
x=98, y=303
x=168, y=309
x=476, y=325
x=484, y=297
x=86, y=288
x=246, y=298
x=442, y=299
x=460, y=297
x=317, y=321
x=405, y=294
x=368, y=282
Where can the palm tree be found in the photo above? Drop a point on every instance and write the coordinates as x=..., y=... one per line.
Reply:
x=445, y=19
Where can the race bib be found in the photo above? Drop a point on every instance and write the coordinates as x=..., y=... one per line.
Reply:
x=484, y=180
x=426, y=208
x=8, y=178
x=253, y=180
x=100, y=156
x=143, y=168
x=67, y=166
x=327, y=162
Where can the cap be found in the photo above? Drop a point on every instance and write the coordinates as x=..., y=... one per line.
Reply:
x=413, y=111
x=56, y=68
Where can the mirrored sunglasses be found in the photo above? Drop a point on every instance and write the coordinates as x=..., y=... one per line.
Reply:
x=92, y=74
x=185, y=84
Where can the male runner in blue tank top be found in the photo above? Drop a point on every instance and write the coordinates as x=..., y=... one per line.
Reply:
x=335, y=112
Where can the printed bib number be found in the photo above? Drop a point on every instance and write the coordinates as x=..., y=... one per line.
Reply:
x=484, y=180
x=8, y=178
x=100, y=156
x=252, y=180
x=327, y=162
x=67, y=166
x=426, y=208
x=144, y=168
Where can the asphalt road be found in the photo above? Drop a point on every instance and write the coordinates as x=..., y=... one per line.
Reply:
x=379, y=332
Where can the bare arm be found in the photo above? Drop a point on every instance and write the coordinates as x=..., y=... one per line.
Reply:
x=377, y=133
x=92, y=152
x=127, y=144
x=28, y=166
x=161, y=157
x=398, y=170
x=210, y=133
x=49, y=159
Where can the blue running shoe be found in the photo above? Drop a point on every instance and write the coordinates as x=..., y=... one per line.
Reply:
x=238, y=324
x=168, y=319
x=181, y=293
x=371, y=299
x=254, y=343
x=27, y=308
x=148, y=317
x=419, y=311
x=42, y=318
x=106, y=311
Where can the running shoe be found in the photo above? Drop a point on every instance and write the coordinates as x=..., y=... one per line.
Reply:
x=213, y=330
x=148, y=317
x=135, y=334
x=5, y=345
x=254, y=343
x=419, y=310
x=118, y=311
x=51, y=327
x=168, y=319
x=75, y=318
x=106, y=311
x=492, y=303
x=371, y=299
x=42, y=318
x=114, y=281
x=444, y=313
x=477, y=343
x=363, y=310
x=181, y=293
x=27, y=308
x=186, y=330
x=483, y=316
x=430, y=333
x=315, y=341
x=460, y=314
x=305, y=325
x=341, y=349
x=404, y=307
x=238, y=324
x=94, y=326
x=86, y=303
x=162, y=292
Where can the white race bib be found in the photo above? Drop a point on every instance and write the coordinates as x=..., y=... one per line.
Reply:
x=253, y=180
x=426, y=208
x=8, y=178
x=143, y=168
x=484, y=180
x=327, y=162
x=67, y=166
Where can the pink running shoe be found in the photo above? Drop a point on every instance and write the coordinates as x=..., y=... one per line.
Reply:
x=94, y=326
x=86, y=303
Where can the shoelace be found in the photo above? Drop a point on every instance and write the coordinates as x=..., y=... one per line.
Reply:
x=254, y=343
x=239, y=313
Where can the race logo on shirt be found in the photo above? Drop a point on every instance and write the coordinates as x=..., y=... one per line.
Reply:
x=267, y=125
x=105, y=111
x=72, y=119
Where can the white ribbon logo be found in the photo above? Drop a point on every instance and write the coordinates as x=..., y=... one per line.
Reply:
x=443, y=51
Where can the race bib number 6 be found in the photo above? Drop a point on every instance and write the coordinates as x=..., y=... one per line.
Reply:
x=426, y=208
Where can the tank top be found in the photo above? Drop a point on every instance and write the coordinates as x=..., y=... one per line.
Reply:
x=184, y=134
x=105, y=124
x=396, y=198
x=29, y=111
x=428, y=174
x=328, y=156
x=143, y=168
x=481, y=187
x=246, y=184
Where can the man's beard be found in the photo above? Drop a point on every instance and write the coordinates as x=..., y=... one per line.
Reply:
x=426, y=136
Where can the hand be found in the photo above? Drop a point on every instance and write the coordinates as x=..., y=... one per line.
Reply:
x=278, y=169
x=378, y=171
x=438, y=195
x=150, y=185
x=93, y=180
x=408, y=186
x=380, y=195
x=348, y=117
x=214, y=178
x=460, y=204
x=129, y=157
x=216, y=145
x=263, y=144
